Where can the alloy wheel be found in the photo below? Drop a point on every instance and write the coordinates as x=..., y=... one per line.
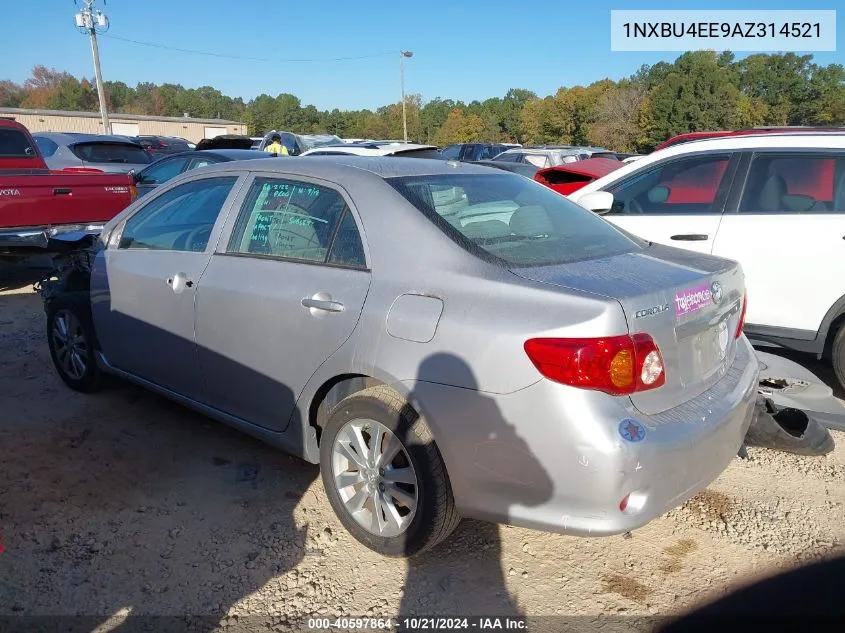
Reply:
x=70, y=344
x=374, y=477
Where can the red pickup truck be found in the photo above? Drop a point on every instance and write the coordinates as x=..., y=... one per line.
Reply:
x=37, y=204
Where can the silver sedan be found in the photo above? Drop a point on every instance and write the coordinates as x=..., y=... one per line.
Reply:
x=444, y=339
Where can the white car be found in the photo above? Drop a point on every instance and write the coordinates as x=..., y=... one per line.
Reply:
x=375, y=148
x=775, y=203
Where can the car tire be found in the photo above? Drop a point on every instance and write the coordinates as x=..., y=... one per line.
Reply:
x=837, y=355
x=72, y=342
x=380, y=412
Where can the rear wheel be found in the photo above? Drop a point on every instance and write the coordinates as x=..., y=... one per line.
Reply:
x=72, y=343
x=837, y=355
x=384, y=476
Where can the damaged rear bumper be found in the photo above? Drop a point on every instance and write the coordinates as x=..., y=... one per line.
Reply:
x=39, y=237
x=788, y=385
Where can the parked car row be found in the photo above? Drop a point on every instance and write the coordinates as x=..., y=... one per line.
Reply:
x=424, y=385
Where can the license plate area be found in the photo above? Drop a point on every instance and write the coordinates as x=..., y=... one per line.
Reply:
x=706, y=353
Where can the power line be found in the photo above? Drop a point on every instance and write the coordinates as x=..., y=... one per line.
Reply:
x=253, y=59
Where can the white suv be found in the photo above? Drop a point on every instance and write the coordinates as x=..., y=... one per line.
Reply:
x=374, y=148
x=775, y=203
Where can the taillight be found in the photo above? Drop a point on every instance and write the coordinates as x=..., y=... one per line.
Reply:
x=83, y=170
x=618, y=365
x=133, y=193
x=741, y=323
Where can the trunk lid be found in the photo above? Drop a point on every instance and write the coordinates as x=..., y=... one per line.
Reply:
x=688, y=302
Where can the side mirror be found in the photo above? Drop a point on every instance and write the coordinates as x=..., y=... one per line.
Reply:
x=597, y=201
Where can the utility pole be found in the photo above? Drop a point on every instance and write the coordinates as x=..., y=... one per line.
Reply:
x=402, y=56
x=90, y=21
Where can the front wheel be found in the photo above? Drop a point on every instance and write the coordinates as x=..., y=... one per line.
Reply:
x=384, y=476
x=71, y=339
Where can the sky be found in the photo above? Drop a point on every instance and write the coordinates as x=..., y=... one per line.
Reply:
x=462, y=49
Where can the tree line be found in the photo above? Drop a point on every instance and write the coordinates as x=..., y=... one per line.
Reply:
x=700, y=90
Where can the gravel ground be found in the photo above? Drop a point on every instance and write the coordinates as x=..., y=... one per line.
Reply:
x=123, y=502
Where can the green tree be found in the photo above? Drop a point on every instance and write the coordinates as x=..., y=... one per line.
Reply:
x=119, y=96
x=510, y=112
x=696, y=95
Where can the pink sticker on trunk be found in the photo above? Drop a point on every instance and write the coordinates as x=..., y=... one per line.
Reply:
x=692, y=299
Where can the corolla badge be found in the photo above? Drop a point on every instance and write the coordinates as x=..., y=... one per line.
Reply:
x=639, y=314
x=716, y=292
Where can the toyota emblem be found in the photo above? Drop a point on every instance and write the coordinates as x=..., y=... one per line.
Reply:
x=716, y=292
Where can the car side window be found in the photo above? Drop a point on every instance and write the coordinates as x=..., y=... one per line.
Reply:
x=538, y=160
x=180, y=219
x=490, y=151
x=158, y=174
x=296, y=220
x=289, y=141
x=795, y=183
x=196, y=163
x=512, y=157
x=347, y=249
x=451, y=152
x=686, y=185
x=46, y=146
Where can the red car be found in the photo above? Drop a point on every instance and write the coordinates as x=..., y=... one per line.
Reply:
x=572, y=176
x=695, y=136
x=36, y=203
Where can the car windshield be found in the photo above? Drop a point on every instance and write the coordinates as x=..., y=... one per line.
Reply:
x=111, y=153
x=512, y=220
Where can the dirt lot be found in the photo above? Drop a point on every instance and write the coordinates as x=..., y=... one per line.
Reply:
x=125, y=503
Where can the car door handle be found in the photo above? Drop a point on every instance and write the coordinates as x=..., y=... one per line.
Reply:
x=319, y=303
x=62, y=191
x=179, y=282
x=691, y=237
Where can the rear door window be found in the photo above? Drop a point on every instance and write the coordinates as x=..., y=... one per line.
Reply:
x=795, y=183
x=685, y=185
x=296, y=220
x=110, y=153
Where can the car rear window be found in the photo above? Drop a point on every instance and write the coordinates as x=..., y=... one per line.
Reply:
x=512, y=220
x=110, y=153
x=15, y=144
x=420, y=153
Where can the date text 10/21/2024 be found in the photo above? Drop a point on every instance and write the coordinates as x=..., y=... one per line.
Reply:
x=422, y=623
